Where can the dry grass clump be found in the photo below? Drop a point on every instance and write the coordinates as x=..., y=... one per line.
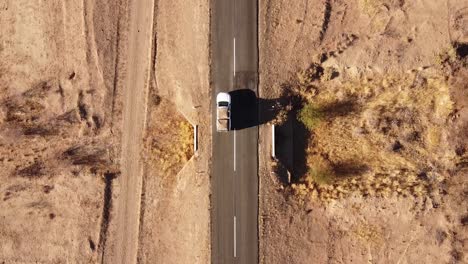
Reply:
x=320, y=177
x=379, y=13
x=330, y=73
x=28, y=107
x=169, y=142
x=389, y=131
x=90, y=155
x=453, y=58
x=29, y=114
x=25, y=111
x=310, y=115
x=185, y=139
x=95, y=156
x=35, y=170
x=448, y=55
x=369, y=234
x=308, y=76
x=374, y=7
x=40, y=130
x=320, y=174
x=283, y=114
x=327, y=186
x=371, y=7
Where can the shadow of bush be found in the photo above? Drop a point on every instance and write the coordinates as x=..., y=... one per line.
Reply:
x=349, y=169
x=294, y=138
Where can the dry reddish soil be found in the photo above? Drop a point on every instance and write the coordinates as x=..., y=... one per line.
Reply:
x=382, y=177
x=59, y=114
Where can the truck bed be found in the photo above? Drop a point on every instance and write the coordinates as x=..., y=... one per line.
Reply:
x=223, y=113
x=223, y=119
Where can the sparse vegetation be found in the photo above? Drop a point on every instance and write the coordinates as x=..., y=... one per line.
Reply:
x=310, y=116
x=308, y=76
x=371, y=7
x=449, y=55
x=368, y=234
x=24, y=111
x=90, y=155
x=394, y=131
x=40, y=130
x=170, y=141
x=283, y=113
x=325, y=186
x=393, y=136
x=35, y=170
x=329, y=74
x=185, y=141
x=28, y=114
x=320, y=175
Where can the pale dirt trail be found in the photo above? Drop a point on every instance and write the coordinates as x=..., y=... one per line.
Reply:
x=124, y=245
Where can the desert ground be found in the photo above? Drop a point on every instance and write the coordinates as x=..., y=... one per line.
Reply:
x=64, y=74
x=369, y=99
x=371, y=153
x=175, y=206
x=59, y=114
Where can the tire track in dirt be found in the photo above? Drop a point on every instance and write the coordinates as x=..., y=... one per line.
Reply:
x=326, y=20
x=106, y=210
x=123, y=245
x=116, y=69
x=151, y=85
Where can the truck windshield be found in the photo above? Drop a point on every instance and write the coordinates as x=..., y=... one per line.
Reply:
x=223, y=104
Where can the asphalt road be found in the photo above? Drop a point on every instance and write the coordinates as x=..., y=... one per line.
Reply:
x=235, y=153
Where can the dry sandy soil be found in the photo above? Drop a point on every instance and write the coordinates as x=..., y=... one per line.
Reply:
x=58, y=115
x=61, y=71
x=401, y=64
x=175, y=203
x=382, y=177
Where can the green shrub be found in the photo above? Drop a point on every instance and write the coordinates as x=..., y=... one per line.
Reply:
x=310, y=116
x=320, y=175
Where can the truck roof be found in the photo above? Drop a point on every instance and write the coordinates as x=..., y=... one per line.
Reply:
x=223, y=97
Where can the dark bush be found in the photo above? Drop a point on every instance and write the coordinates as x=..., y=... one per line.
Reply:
x=35, y=170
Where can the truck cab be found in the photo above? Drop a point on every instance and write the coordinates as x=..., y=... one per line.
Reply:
x=223, y=112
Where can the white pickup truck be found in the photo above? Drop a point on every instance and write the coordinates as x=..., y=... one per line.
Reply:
x=223, y=112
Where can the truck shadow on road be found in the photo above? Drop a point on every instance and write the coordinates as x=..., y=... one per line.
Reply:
x=244, y=109
x=249, y=111
x=292, y=137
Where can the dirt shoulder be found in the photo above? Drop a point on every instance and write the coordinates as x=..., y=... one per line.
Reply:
x=175, y=205
x=378, y=162
x=122, y=243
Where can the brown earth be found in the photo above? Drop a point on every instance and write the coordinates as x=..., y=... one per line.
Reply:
x=58, y=115
x=382, y=176
x=402, y=63
x=64, y=76
x=175, y=203
x=121, y=244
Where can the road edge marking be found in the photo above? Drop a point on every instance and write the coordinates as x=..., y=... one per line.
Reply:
x=234, y=58
x=235, y=237
x=235, y=148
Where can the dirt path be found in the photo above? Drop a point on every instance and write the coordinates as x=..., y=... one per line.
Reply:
x=123, y=246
